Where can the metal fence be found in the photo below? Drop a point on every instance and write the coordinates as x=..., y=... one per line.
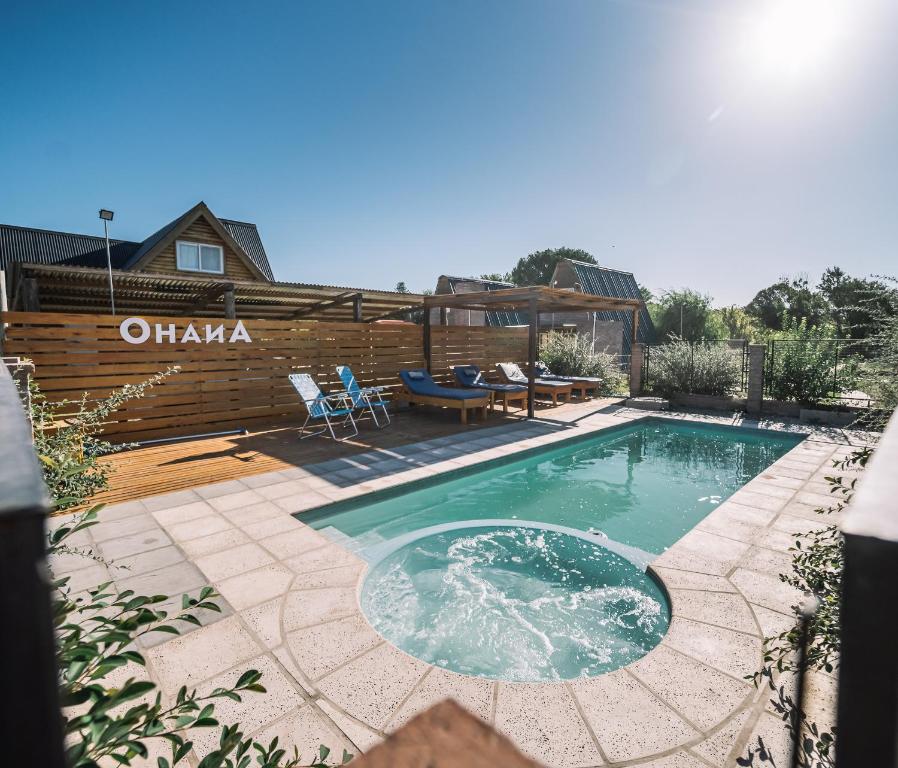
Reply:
x=651, y=381
x=816, y=370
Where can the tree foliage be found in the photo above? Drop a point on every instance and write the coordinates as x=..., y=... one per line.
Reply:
x=794, y=299
x=538, y=267
x=681, y=366
x=684, y=314
x=572, y=354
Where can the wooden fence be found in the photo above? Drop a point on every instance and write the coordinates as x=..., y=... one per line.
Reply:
x=226, y=380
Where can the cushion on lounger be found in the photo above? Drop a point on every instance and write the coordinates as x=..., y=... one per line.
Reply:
x=416, y=375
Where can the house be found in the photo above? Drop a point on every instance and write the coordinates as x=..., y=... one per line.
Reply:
x=612, y=331
x=449, y=285
x=197, y=264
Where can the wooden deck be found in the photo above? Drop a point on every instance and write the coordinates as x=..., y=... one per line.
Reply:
x=176, y=466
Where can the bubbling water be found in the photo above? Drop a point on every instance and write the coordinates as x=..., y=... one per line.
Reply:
x=515, y=603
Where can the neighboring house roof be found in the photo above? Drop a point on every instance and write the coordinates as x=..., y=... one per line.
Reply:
x=41, y=246
x=603, y=281
x=493, y=318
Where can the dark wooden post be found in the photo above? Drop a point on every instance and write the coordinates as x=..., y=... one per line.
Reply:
x=30, y=296
x=635, y=325
x=444, y=316
x=357, y=309
x=427, y=337
x=230, y=304
x=533, y=342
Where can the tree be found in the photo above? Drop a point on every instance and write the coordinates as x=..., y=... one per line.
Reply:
x=537, y=268
x=685, y=314
x=496, y=277
x=736, y=323
x=856, y=304
x=793, y=298
x=646, y=293
x=401, y=287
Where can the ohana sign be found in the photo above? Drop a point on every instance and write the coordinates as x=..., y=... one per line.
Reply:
x=136, y=330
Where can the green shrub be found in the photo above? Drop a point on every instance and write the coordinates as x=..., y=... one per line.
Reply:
x=700, y=368
x=571, y=354
x=805, y=365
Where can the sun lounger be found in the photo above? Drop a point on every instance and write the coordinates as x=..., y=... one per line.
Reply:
x=419, y=388
x=364, y=398
x=321, y=406
x=513, y=374
x=580, y=383
x=470, y=376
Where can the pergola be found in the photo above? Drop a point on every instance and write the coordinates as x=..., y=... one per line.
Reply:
x=534, y=300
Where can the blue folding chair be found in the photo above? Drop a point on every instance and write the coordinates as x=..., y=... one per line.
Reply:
x=321, y=406
x=370, y=398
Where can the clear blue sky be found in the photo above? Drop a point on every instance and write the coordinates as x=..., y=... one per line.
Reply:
x=697, y=143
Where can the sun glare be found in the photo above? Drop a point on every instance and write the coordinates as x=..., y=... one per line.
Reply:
x=795, y=38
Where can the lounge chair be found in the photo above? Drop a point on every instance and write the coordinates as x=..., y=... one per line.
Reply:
x=580, y=383
x=364, y=398
x=470, y=376
x=513, y=374
x=321, y=406
x=419, y=388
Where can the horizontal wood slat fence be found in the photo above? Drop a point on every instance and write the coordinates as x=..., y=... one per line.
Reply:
x=231, y=383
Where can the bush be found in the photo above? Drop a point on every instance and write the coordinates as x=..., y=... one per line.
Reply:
x=572, y=354
x=700, y=368
x=805, y=365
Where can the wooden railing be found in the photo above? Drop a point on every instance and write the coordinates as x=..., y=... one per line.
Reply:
x=227, y=379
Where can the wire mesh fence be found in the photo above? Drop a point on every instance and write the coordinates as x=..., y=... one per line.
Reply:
x=817, y=371
x=707, y=367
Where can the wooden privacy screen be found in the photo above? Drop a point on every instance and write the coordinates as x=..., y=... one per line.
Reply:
x=229, y=384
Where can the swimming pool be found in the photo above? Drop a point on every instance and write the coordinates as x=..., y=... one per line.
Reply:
x=534, y=568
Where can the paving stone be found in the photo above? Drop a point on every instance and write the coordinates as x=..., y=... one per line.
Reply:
x=144, y=562
x=239, y=500
x=372, y=686
x=67, y=562
x=321, y=648
x=134, y=544
x=307, y=729
x=265, y=528
x=773, y=622
x=122, y=510
x=256, y=710
x=116, y=529
x=717, y=747
x=674, y=579
x=300, y=539
x=255, y=586
x=308, y=499
x=701, y=695
x=206, y=652
x=703, y=552
x=173, y=580
x=199, y=527
x=302, y=608
x=265, y=621
x=216, y=542
x=609, y=702
x=87, y=578
x=173, y=608
x=282, y=654
x=766, y=561
x=183, y=513
x=165, y=501
x=771, y=736
x=475, y=694
x=735, y=653
x=359, y=734
x=328, y=556
x=720, y=608
x=543, y=721
x=220, y=489
x=676, y=760
x=343, y=576
x=253, y=513
x=799, y=525
x=270, y=478
x=280, y=490
x=758, y=500
x=766, y=589
x=222, y=565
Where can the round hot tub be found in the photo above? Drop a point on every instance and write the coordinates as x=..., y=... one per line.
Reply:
x=513, y=600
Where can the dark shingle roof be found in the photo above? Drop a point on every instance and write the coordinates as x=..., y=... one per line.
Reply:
x=602, y=281
x=493, y=318
x=41, y=246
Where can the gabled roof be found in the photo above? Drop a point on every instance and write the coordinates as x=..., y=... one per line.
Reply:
x=604, y=281
x=42, y=246
x=496, y=318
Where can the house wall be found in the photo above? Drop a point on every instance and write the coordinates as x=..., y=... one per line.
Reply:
x=200, y=231
x=609, y=333
x=459, y=317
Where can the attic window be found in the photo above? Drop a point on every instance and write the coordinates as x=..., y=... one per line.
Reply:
x=200, y=257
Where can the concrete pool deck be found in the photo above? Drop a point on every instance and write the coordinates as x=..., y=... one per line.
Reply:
x=290, y=609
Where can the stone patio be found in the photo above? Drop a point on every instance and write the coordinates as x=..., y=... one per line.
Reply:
x=290, y=609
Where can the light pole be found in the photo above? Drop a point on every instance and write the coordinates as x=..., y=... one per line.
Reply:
x=107, y=217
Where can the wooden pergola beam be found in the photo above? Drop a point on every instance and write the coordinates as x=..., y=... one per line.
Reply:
x=320, y=306
x=547, y=300
x=207, y=297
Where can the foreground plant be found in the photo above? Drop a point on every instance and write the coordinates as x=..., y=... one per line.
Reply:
x=103, y=722
x=817, y=566
x=572, y=354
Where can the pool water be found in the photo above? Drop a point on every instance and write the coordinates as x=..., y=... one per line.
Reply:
x=534, y=568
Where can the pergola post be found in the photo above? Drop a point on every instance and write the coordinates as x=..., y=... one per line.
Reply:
x=427, y=339
x=230, y=304
x=635, y=325
x=357, y=309
x=532, y=343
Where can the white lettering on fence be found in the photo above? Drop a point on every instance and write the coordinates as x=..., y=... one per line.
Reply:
x=168, y=332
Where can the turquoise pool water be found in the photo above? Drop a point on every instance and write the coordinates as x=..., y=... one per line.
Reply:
x=534, y=569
